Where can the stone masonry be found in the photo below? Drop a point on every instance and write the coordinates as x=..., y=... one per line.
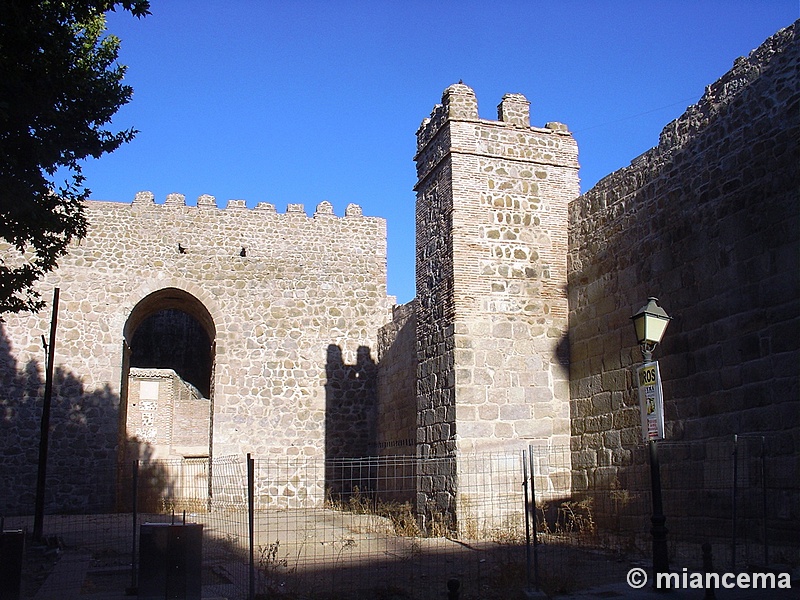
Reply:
x=397, y=383
x=396, y=412
x=492, y=202
x=709, y=222
x=292, y=305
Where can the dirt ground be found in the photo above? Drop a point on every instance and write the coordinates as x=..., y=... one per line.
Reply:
x=316, y=554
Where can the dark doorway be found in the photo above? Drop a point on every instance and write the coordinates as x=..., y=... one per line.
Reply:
x=171, y=329
x=173, y=339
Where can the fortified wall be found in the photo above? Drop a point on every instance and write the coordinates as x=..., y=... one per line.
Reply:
x=709, y=222
x=285, y=310
x=520, y=333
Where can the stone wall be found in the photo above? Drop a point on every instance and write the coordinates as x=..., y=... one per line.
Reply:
x=397, y=405
x=492, y=202
x=397, y=383
x=436, y=403
x=709, y=222
x=292, y=305
x=84, y=427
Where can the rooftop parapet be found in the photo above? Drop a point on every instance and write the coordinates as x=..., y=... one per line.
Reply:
x=175, y=200
x=266, y=207
x=458, y=103
x=353, y=210
x=324, y=209
x=144, y=198
x=206, y=201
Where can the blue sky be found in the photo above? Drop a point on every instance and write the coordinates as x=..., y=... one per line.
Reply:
x=305, y=101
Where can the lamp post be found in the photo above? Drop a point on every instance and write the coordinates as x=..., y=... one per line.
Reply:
x=650, y=322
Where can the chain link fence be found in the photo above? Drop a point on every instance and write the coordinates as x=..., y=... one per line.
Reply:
x=296, y=528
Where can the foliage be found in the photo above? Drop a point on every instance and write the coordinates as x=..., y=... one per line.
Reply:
x=570, y=518
x=272, y=567
x=59, y=87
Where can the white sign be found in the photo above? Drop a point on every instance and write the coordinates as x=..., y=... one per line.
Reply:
x=148, y=390
x=651, y=401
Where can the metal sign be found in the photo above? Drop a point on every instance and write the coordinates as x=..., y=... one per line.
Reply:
x=651, y=401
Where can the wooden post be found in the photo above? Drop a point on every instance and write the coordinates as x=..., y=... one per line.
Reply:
x=44, y=439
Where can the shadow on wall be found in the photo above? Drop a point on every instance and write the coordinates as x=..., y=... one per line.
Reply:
x=149, y=479
x=350, y=419
x=82, y=461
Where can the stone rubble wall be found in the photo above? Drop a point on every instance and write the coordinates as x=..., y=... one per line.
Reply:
x=293, y=304
x=397, y=405
x=397, y=383
x=709, y=222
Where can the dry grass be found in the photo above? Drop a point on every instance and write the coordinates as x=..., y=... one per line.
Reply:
x=399, y=514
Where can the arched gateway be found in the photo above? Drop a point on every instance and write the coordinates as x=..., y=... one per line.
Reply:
x=166, y=406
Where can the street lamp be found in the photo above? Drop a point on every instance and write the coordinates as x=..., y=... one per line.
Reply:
x=650, y=322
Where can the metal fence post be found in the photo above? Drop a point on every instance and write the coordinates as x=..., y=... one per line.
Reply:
x=764, y=497
x=533, y=513
x=251, y=524
x=708, y=567
x=527, y=519
x=135, y=515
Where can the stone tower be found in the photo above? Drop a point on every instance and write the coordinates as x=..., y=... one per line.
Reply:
x=491, y=244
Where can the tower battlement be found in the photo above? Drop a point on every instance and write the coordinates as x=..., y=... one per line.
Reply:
x=173, y=230
x=455, y=128
x=459, y=103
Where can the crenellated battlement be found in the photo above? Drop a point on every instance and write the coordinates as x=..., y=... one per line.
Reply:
x=163, y=233
x=146, y=199
x=455, y=129
x=459, y=103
